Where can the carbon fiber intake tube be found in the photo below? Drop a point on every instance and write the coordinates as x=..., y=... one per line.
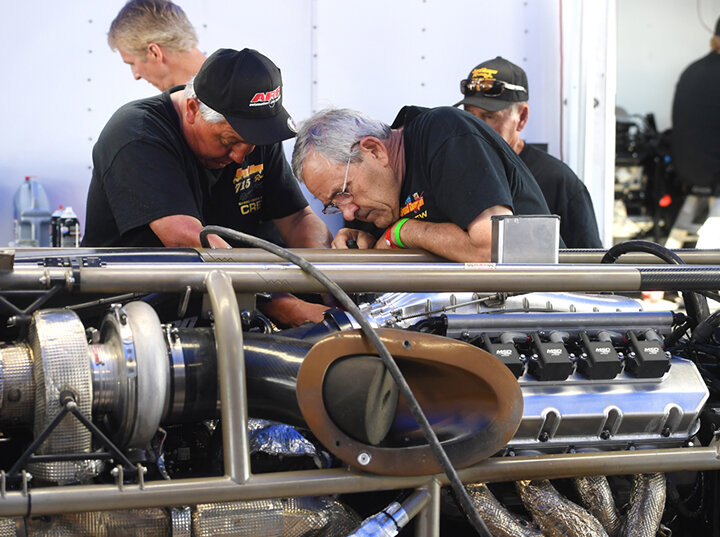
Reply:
x=271, y=369
x=679, y=278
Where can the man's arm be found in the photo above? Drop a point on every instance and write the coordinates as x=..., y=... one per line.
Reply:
x=450, y=241
x=303, y=229
x=183, y=231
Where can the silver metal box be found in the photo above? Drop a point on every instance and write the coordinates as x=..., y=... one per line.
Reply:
x=525, y=238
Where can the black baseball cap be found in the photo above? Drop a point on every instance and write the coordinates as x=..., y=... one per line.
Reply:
x=504, y=84
x=246, y=88
x=717, y=27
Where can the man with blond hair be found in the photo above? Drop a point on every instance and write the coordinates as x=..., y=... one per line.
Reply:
x=155, y=38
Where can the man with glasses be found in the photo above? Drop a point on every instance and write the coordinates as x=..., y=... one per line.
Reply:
x=496, y=91
x=432, y=180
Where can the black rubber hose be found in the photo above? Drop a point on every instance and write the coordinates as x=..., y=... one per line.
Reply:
x=695, y=304
x=392, y=367
x=704, y=330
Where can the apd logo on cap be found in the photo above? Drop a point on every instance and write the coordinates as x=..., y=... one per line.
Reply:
x=268, y=98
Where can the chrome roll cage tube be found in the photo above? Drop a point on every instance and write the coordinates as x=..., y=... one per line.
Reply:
x=222, y=281
x=371, y=277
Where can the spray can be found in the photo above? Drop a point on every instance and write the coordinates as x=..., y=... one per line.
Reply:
x=69, y=229
x=55, y=226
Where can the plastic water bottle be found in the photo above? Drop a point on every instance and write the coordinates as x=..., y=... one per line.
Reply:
x=31, y=215
x=55, y=226
x=69, y=232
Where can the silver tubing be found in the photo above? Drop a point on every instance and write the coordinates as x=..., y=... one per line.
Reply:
x=416, y=502
x=585, y=256
x=316, y=255
x=81, y=498
x=572, y=322
x=428, y=522
x=689, y=255
x=231, y=370
x=376, y=277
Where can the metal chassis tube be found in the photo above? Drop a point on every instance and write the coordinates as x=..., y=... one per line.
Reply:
x=239, y=484
x=691, y=256
x=80, y=498
x=377, y=277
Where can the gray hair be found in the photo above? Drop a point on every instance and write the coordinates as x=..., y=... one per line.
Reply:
x=333, y=133
x=141, y=22
x=207, y=113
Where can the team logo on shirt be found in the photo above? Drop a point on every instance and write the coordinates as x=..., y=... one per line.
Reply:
x=250, y=206
x=412, y=204
x=245, y=177
x=266, y=98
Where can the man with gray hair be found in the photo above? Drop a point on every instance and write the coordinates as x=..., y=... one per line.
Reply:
x=165, y=166
x=155, y=38
x=432, y=180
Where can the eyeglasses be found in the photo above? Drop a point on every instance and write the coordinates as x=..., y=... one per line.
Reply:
x=343, y=197
x=487, y=86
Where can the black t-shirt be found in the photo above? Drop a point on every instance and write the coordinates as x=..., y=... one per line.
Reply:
x=696, y=123
x=143, y=170
x=456, y=167
x=566, y=196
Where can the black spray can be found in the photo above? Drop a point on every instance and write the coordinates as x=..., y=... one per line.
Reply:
x=69, y=229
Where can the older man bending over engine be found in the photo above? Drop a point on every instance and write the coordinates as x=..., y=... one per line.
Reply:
x=432, y=180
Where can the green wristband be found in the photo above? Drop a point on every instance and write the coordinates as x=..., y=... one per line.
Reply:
x=396, y=232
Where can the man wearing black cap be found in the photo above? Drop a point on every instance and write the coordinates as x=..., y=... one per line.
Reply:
x=432, y=180
x=496, y=91
x=209, y=154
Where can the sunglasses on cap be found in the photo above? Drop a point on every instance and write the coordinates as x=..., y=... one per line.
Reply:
x=487, y=86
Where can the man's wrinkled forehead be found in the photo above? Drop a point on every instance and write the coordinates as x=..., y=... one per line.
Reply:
x=321, y=172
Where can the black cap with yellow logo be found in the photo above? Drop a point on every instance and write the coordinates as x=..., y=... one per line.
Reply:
x=494, y=85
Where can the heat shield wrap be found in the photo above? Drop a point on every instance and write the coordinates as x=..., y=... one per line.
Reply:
x=287, y=517
x=61, y=362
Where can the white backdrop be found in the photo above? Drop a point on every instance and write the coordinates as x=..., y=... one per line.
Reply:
x=61, y=82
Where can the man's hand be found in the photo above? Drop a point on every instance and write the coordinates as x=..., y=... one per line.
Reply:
x=382, y=244
x=363, y=239
x=183, y=231
x=287, y=310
